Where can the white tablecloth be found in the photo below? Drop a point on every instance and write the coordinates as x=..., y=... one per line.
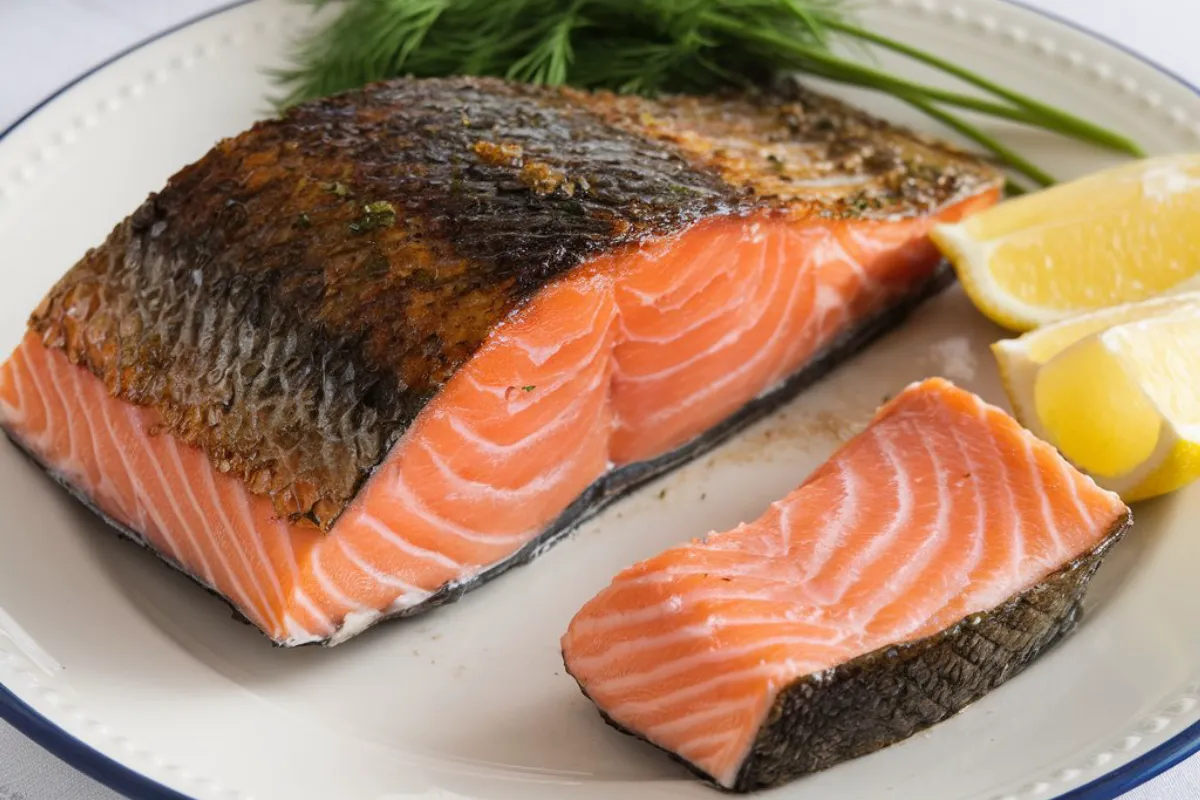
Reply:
x=46, y=43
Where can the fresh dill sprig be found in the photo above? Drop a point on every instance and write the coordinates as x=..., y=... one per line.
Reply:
x=648, y=47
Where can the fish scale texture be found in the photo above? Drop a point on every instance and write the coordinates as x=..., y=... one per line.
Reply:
x=357, y=361
x=293, y=300
x=929, y=560
x=887, y=696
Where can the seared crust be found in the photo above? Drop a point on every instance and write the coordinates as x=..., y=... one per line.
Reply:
x=802, y=152
x=291, y=302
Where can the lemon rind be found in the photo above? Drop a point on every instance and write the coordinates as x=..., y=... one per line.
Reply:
x=1018, y=373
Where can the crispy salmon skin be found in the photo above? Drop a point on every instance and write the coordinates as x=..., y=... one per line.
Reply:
x=932, y=558
x=359, y=359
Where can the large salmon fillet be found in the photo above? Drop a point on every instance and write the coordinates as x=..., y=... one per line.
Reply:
x=358, y=359
x=932, y=558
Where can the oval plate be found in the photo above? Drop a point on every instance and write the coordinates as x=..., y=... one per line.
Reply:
x=128, y=671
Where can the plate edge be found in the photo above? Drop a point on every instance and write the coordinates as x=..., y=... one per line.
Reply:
x=51, y=737
x=118, y=777
x=1186, y=743
x=78, y=754
x=138, y=45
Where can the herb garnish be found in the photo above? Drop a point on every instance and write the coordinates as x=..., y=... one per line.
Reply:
x=647, y=47
x=380, y=214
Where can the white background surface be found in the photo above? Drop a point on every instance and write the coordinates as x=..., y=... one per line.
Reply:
x=46, y=43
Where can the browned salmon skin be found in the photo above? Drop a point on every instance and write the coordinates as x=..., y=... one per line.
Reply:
x=930, y=559
x=358, y=359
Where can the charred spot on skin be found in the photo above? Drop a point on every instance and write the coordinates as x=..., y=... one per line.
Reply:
x=793, y=115
x=377, y=267
x=883, y=160
x=462, y=251
x=849, y=153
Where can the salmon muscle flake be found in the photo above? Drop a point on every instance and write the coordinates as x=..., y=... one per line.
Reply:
x=932, y=558
x=359, y=359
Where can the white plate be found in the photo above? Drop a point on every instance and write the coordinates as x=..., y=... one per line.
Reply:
x=133, y=674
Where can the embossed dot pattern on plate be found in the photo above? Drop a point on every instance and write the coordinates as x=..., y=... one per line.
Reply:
x=1126, y=89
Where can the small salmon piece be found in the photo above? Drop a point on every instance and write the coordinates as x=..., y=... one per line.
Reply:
x=932, y=558
x=356, y=361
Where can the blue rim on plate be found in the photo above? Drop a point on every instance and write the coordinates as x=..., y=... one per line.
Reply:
x=81, y=756
x=130, y=783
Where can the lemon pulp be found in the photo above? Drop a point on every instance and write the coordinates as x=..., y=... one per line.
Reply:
x=1116, y=236
x=1117, y=391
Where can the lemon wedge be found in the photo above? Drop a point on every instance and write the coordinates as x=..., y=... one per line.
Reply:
x=1116, y=391
x=1116, y=236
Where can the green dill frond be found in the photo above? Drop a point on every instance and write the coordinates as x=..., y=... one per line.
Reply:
x=646, y=47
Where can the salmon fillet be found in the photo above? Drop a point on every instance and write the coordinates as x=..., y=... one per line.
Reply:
x=359, y=359
x=932, y=558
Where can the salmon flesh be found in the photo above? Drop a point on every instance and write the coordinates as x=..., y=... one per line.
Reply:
x=358, y=359
x=932, y=558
